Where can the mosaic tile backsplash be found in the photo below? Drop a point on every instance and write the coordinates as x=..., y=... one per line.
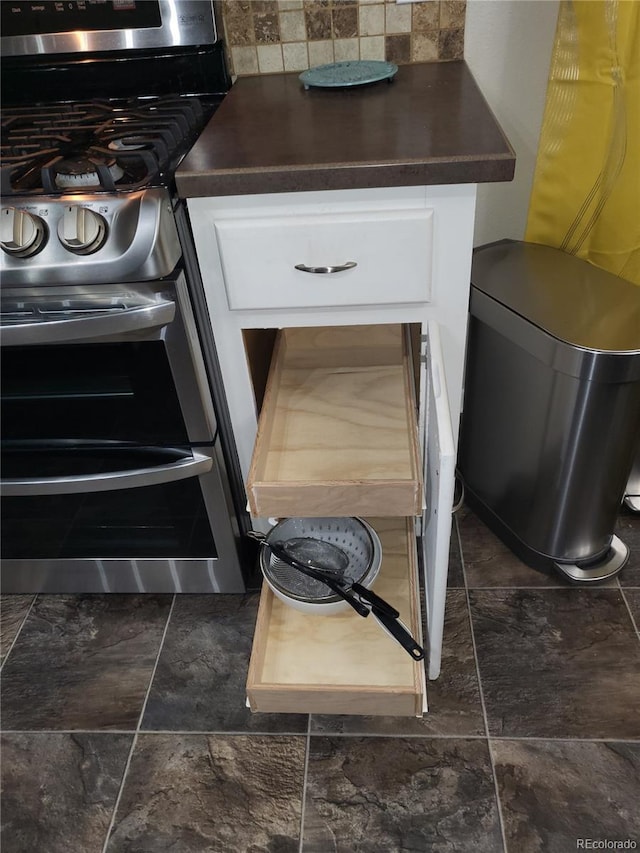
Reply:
x=271, y=36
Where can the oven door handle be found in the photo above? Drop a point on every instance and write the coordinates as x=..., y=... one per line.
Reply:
x=104, y=323
x=193, y=466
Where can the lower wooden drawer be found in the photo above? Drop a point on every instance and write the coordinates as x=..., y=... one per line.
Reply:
x=343, y=664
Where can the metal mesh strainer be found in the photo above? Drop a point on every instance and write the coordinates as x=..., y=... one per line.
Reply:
x=317, y=553
x=353, y=536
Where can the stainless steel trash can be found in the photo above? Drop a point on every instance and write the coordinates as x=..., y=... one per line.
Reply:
x=551, y=412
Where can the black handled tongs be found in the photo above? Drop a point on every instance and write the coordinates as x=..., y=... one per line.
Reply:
x=369, y=602
x=357, y=596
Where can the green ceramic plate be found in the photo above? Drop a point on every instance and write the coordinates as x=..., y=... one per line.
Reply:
x=352, y=73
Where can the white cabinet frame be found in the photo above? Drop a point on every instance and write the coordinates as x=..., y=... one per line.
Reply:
x=442, y=317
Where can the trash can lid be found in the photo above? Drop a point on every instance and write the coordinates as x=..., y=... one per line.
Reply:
x=565, y=296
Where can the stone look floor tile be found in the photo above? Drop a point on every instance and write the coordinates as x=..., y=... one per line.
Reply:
x=454, y=697
x=83, y=662
x=557, y=663
x=13, y=609
x=628, y=529
x=211, y=794
x=632, y=597
x=489, y=563
x=59, y=790
x=199, y=684
x=368, y=795
x=554, y=793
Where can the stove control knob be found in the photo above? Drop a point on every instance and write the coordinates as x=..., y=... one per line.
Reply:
x=21, y=233
x=81, y=231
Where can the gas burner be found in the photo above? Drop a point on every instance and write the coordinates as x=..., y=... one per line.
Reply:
x=83, y=171
x=115, y=146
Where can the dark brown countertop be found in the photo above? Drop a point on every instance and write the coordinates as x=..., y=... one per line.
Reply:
x=431, y=125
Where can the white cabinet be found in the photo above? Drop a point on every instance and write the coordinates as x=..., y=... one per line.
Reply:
x=358, y=414
x=374, y=258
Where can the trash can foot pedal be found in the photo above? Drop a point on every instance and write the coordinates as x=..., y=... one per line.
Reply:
x=615, y=560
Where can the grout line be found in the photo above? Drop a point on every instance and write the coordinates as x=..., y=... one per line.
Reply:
x=155, y=665
x=134, y=740
x=633, y=621
x=482, y=702
x=19, y=631
x=549, y=739
x=68, y=731
x=304, y=784
x=321, y=734
x=116, y=804
x=539, y=587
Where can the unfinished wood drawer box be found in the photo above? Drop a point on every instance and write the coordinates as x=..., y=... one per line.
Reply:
x=337, y=433
x=342, y=664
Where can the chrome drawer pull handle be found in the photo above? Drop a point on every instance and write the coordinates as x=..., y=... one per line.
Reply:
x=348, y=266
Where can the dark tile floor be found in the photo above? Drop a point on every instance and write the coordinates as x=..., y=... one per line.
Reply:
x=125, y=728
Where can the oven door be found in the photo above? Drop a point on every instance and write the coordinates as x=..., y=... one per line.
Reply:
x=111, y=474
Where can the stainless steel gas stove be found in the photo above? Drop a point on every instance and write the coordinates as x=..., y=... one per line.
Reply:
x=119, y=469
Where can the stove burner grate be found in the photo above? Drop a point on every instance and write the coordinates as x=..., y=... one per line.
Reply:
x=104, y=146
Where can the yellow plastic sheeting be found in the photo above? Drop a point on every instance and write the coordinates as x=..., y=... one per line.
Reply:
x=586, y=191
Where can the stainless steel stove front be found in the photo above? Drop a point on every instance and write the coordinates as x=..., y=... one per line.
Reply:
x=88, y=238
x=113, y=472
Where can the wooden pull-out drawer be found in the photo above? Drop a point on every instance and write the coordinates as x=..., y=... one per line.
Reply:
x=342, y=664
x=388, y=257
x=337, y=433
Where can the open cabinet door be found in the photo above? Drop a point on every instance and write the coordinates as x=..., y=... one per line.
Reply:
x=439, y=476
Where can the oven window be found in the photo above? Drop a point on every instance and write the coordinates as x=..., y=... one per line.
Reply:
x=167, y=520
x=101, y=392
x=92, y=435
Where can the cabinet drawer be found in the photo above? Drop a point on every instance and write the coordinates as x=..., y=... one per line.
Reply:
x=337, y=433
x=342, y=664
x=391, y=251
